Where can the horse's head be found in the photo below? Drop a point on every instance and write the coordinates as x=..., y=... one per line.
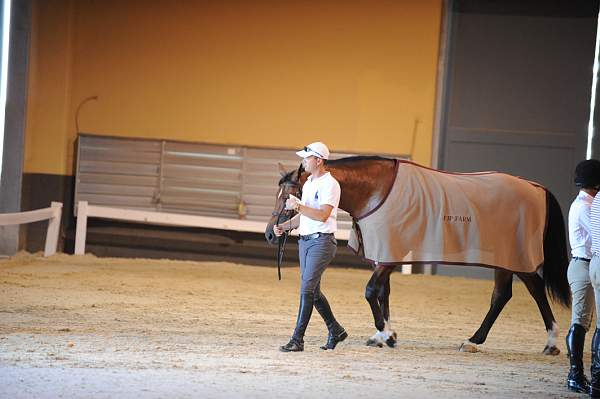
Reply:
x=288, y=184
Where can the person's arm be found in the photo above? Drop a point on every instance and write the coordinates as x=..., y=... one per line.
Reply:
x=584, y=222
x=321, y=214
x=330, y=197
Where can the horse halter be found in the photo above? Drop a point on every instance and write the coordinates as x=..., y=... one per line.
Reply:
x=283, y=238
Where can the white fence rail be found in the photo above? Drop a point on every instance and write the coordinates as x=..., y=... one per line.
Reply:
x=85, y=211
x=52, y=214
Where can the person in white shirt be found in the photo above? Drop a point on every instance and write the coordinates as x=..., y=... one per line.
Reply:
x=317, y=221
x=587, y=178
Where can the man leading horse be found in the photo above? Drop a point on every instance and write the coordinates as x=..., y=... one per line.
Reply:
x=317, y=221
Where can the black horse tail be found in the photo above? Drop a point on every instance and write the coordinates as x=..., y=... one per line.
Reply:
x=556, y=259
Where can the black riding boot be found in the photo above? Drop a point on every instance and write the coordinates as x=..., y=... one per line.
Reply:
x=595, y=369
x=296, y=343
x=576, y=381
x=336, y=332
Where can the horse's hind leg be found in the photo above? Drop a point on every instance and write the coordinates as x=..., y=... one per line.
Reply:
x=500, y=297
x=377, y=294
x=535, y=285
x=384, y=302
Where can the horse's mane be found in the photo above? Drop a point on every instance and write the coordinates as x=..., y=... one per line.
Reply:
x=342, y=161
x=358, y=158
x=288, y=176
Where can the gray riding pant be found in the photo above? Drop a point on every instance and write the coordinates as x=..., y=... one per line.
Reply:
x=315, y=256
x=582, y=292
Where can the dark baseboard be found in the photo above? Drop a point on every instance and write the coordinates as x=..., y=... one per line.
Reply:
x=118, y=239
x=38, y=191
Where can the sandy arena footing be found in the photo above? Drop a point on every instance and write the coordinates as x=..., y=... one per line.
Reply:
x=87, y=327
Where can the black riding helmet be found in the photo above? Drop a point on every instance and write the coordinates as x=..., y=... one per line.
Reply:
x=587, y=174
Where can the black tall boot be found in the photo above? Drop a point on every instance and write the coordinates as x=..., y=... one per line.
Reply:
x=576, y=381
x=336, y=332
x=595, y=369
x=296, y=343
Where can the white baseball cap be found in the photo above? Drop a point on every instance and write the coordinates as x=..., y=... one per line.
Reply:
x=316, y=149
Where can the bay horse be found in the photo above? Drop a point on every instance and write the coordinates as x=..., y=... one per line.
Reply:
x=366, y=182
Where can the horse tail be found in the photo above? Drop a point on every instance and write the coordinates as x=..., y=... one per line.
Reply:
x=556, y=259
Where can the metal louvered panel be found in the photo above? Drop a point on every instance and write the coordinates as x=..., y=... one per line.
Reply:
x=113, y=155
x=122, y=200
x=261, y=175
x=113, y=189
x=117, y=171
x=118, y=168
x=191, y=178
x=200, y=179
x=118, y=180
x=200, y=211
x=119, y=143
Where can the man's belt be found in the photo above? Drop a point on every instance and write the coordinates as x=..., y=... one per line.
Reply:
x=580, y=258
x=313, y=236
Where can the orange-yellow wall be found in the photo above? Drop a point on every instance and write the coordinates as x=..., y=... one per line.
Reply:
x=357, y=75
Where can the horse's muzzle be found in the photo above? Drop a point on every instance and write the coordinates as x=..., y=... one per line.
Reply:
x=270, y=236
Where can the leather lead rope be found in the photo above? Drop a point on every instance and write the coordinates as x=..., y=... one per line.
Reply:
x=281, y=241
x=281, y=244
x=280, y=250
x=283, y=238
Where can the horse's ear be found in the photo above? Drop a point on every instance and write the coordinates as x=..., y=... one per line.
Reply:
x=298, y=172
x=282, y=170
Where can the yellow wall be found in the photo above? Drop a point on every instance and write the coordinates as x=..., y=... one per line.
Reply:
x=356, y=75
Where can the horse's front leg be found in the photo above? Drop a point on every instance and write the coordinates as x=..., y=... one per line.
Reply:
x=500, y=297
x=377, y=294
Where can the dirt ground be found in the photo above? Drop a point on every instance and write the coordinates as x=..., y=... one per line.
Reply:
x=87, y=327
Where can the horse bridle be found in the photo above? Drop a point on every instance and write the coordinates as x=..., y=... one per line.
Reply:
x=283, y=238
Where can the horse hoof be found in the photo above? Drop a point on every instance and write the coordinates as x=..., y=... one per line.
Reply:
x=373, y=343
x=468, y=347
x=551, y=351
x=391, y=341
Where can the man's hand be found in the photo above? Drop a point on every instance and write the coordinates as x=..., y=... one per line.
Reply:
x=278, y=230
x=292, y=203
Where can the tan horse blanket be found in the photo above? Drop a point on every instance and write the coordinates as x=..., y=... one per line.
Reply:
x=486, y=219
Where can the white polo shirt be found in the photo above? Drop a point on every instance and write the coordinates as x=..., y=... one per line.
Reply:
x=579, y=226
x=324, y=190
